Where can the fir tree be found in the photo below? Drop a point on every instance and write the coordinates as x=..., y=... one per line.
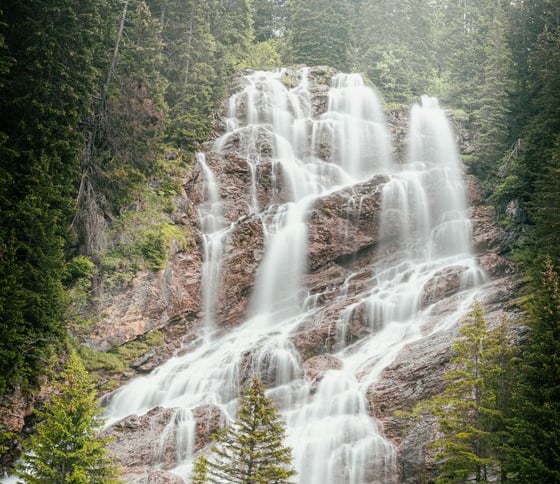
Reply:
x=470, y=408
x=535, y=427
x=46, y=94
x=319, y=32
x=67, y=449
x=251, y=450
x=491, y=119
x=200, y=471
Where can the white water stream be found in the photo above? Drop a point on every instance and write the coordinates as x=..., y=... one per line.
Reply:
x=334, y=438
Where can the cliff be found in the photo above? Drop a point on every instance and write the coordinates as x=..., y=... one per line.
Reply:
x=340, y=294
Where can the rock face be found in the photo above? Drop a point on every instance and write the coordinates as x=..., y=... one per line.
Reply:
x=154, y=439
x=344, y=241
x=153, y=300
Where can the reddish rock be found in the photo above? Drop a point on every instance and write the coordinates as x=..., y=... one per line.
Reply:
x=151, y=439
x=443, y=284
x=486, y=235
x=474, y=191
x=153, y=299
x=497, y=266
x=316, y=366
x=244, y=250
x=345, y=223
x=209, y=419
x=139, y=441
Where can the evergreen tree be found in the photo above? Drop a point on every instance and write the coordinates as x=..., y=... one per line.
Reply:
x=470, y=408
x=461, y=32
x=269, y=18
x=546, y=206
x=535, y=427
x=251, y=450
x=66, y=449
x=536, y=110
x=200, y=471
x=319, y=32
x=491, y=118
x=46, y=95
x=393, y=43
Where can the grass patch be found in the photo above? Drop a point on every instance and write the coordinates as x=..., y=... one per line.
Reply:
x=142, y=236
x=119, y=359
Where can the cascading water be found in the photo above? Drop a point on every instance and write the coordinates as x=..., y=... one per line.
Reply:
x=426, y=232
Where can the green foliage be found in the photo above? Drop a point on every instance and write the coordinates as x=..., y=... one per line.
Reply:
x=392, y=42
x=472, y=406
x=250, y=450
x=535, y=426
x=46, y=93
x=118, y=359
x=154, y=247
x=269, y=19
x=66, y=447
x=80, y=267
x=200, y=471
x=319, y=32
x=546, y=205
x=142, y=236
x=265, y=55
x=491, y=117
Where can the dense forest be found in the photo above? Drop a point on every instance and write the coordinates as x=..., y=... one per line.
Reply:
x=99, y=98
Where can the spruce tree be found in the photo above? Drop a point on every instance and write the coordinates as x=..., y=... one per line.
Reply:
x=66, y=448
x=319, y=32
x=251, y=449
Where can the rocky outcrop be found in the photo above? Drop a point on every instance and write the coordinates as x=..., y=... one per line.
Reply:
x=343, y=241
x=316, y=366
x=141, y=442
x=416, y=375
x=153, y=299
x=245, y=245
x=152, y=477
x=345, y=223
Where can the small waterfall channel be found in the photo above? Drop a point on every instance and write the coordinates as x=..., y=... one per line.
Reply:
x=425, y=235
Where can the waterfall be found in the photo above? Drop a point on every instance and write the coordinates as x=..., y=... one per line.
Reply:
x=425, y=233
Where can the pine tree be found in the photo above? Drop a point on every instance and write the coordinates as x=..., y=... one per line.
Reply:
x=251, y=450
x=66, y=449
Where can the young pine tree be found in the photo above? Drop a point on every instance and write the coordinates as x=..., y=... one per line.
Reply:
x=66, y=449
x=250, y=451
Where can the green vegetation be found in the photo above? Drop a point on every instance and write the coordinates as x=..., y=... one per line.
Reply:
x=48, y=84
x=499, y=413
x=534, y=423
x=118, y=359
x=471, y=409
x=66, y=447
x=103, y=105
x=250, y=450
